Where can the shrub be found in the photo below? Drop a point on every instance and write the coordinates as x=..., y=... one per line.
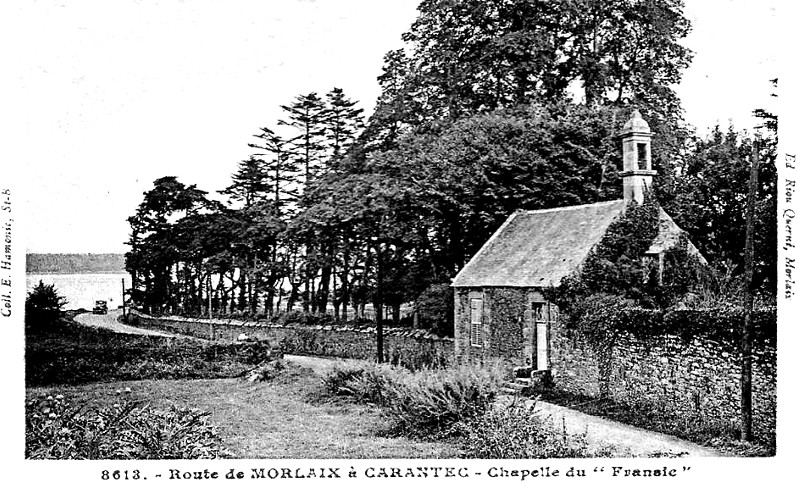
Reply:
x=293, y=316
x=267, y=371
x=375, y=383
x=517, y=432
x=598, y=317
x=58, y=429
x=364, y=382
x=339, y=380
x=302, y=318
x=432, y=402
x=43, y=306
x=423, y=403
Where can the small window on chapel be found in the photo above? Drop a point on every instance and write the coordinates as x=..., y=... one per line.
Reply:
x=642, y=156
x=476, y=322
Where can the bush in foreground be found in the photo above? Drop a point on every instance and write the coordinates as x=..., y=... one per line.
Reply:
x=425, y=403
x=433, y=402
x=56, y=428
x=364, y=382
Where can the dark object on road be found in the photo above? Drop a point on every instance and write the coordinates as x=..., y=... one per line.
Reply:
x=100, y=307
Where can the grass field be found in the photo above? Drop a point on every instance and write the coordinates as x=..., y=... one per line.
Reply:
x=286, y=418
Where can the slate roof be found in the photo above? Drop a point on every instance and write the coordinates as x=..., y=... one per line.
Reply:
x=538, y=248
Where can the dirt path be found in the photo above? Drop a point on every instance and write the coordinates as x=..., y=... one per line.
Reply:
x=628, y=440
x=109, y=322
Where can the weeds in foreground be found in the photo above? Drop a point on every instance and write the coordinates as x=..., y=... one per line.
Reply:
x=57, y=428
x=518, y=432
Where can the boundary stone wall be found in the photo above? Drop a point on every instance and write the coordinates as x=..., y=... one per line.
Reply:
x=404, y=346
x=697, y=379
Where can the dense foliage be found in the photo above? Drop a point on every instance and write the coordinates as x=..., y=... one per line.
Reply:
x=616, y=265
x=435, y=309
x=618, y=280
x=710, y=199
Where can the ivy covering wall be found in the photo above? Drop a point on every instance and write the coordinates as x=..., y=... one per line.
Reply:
x=618, y=280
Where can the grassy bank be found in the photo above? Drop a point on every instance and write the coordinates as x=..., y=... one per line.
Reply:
x=68, y=353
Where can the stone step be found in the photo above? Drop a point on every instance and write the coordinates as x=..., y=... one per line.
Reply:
x=515, y=385
x=510, y=391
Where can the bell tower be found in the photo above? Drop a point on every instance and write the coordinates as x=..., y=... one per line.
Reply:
x=637, y=174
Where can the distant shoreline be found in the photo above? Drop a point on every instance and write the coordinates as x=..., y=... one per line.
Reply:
x=74, y=263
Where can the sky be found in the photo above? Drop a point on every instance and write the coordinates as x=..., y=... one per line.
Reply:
x=102, y=98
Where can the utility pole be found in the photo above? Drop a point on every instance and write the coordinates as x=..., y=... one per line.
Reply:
x=210, y=296
x=745, y=348
x=378, y=303
x=123, y=299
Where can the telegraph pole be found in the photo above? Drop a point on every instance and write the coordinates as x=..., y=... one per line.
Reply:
x=123, y=299
x=745, y=348
x=378, y=304
x=210, y=296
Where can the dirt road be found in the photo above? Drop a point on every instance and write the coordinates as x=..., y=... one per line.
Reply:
x=635, y=441
x=109, y=322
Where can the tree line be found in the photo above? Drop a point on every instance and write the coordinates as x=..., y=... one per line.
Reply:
x=476, y=118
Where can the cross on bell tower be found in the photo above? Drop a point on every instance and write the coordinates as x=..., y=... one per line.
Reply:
x=637, y=174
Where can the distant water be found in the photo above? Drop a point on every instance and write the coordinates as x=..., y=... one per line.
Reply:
x=82, y=289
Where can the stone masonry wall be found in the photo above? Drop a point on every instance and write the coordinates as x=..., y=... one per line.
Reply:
x=506, y=311
x=693, y=380
x=408, y=347
x=574, y=364
x=502, y=337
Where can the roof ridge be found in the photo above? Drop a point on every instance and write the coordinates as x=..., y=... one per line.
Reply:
x=570, y=208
